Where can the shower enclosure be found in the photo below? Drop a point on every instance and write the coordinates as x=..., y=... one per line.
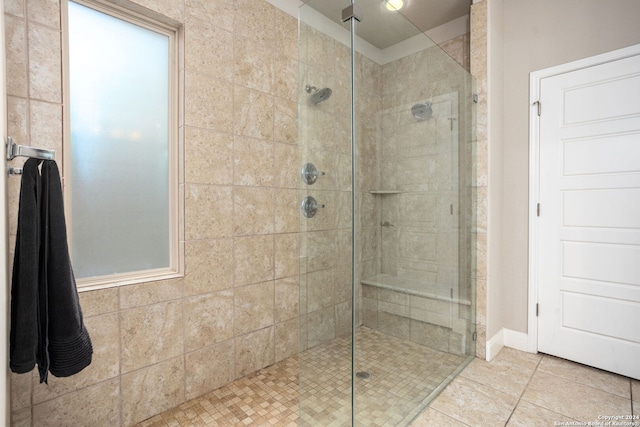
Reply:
x=387, y=293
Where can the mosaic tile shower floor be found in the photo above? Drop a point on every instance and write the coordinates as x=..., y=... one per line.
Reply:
x=402, y=375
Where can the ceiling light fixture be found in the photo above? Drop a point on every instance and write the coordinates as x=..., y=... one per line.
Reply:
x=394, y=5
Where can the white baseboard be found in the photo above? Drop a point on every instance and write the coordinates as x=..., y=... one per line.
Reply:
x=515, y=339
x=506, y=338
x=494, y=345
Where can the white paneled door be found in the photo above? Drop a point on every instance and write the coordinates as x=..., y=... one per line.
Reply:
x=588, y=245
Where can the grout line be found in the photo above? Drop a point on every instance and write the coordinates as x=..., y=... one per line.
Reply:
x=524, y=390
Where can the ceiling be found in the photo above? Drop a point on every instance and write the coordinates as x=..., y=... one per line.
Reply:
x=383, y=28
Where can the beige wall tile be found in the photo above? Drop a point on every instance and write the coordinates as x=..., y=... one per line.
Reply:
x=286, y=337
x=209, y=266
x=151, y=390
x=16, y=55
x=254, y=351
x=207, y=101
x=254, y=259
x=287, y=297
x=252, y=113
x=150, y=334
x=44, y=64
x=208, y=212
x=97, y=405
x=218, y=12
x=286, y=170
x=253, y=162
x=105, y=363
x=286, y=255
x=253, y=307
x=150, y=293
x=209, y=368
x=321, y=250
x=255, y=19
x=17, y=119
x=253, y=210
x=321, y=326
x=21, y=418
x=171, y=8
x=343, y=318
x=321, y=289
x=20, y=390
x=286, y=78
x=286, y=211
x=208, y=157
x=394, y=325
x=208, y=319
x=46, y=12
x=254, y=64
x=287, y=35
x=15, y=7
x=99, y=302
x=208, y=48
x=286, y=121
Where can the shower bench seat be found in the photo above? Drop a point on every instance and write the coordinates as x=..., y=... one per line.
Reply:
x=412, y=309
x=410, y=286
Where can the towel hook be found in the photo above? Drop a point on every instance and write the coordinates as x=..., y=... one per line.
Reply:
x=14, y=150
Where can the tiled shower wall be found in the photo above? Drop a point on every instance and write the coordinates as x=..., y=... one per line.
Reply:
x=236, y=310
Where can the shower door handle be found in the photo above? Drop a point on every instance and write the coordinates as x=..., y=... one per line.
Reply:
x=310, y=207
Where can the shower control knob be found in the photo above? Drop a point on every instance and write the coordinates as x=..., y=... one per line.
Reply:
x=310, y=207
x=310, y=173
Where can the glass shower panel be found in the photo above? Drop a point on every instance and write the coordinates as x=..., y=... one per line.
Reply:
x=388, y=317
x=325, y=238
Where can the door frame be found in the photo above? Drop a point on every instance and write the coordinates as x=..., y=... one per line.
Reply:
x=534, y=169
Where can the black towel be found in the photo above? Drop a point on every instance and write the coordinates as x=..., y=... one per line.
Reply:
x=24, y=335
x=63, y=343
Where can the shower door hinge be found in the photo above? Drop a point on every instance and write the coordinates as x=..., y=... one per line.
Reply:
x=539, y=104
x=538, y=210
x=537, y=309
x=475, y=98
x=474, y=336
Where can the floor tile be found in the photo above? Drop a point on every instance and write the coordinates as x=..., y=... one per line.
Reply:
x=474, y=404
x=314, y=387
x=530, y=415
x=586, y=375
x=573, y=400
x=509, y=372
x=635, y=392
x=430, y=417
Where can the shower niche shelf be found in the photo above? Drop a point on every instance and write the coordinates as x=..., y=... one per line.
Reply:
x=382, y=192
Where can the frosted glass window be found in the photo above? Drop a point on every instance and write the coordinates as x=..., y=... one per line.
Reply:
x=120, y=135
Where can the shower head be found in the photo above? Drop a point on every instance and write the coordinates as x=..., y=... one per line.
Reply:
x=422, y=111
x=318, y=95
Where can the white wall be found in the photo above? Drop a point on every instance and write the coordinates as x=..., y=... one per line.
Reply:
x=537, y=35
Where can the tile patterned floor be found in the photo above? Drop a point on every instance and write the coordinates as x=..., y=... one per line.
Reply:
x=515, y=389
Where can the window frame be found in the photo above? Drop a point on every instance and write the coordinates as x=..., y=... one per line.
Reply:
x=137, y=15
